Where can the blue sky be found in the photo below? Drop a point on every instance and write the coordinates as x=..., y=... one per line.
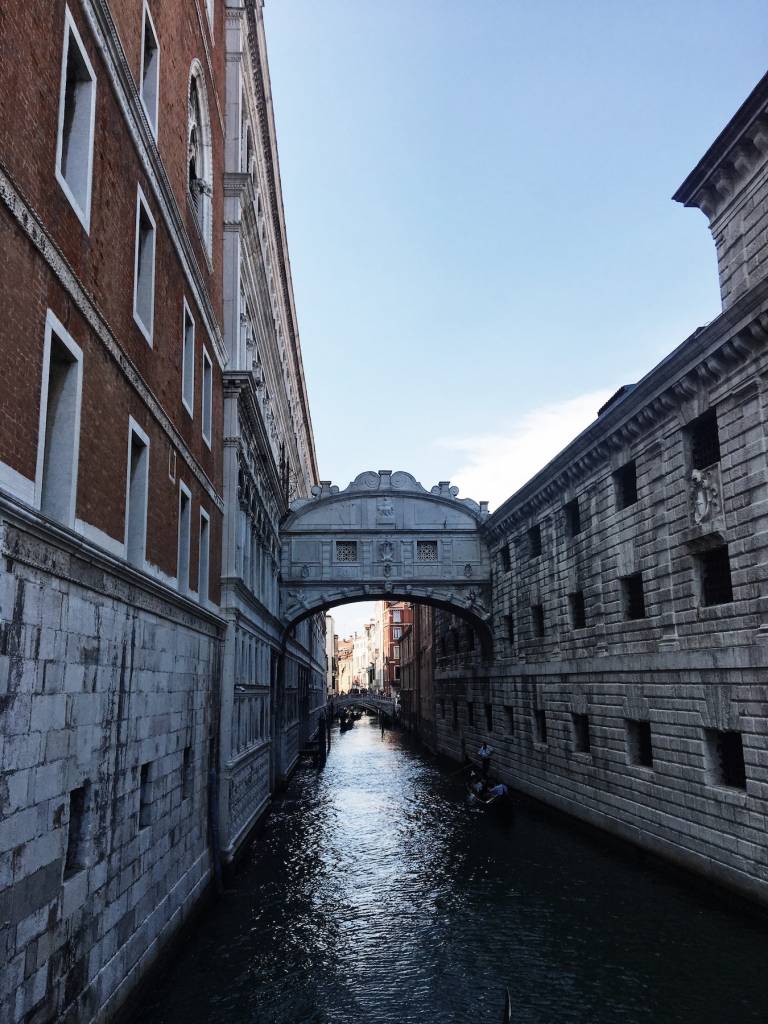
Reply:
x=477, y=195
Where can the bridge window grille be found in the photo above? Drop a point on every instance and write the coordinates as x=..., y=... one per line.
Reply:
x=725, y=758
x=625, y=485
x=470, y=713
x=704, y=440
x=537, y=620
x=426, y=550
x=715, y=575
x=509, y=712
x=540, y=725
x=506, y=559
x=577, y=609
x=572, y=518
x=77, y=832
x=534, y=541
x=634, y=596
x=639, y=744
x=346, y=550
x=489, y=717
x=581, y=740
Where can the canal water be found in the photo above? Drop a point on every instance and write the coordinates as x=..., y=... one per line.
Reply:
x=375, y=895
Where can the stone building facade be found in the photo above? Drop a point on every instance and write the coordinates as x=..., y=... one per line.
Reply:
x=395, y=617
x=417, y=674
x=628, y=683
x=153, y=428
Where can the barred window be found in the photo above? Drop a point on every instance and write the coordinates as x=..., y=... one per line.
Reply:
x=715, y=570
x=534, y=541
x=581, y=739
x=725, y=758
x=572, y=518
x=634, y=596
x=625, y=485
x=704, y=440
x=639, y=743
x=426, y=550
x=537, y=620
x=577, y=609
x=346, y=550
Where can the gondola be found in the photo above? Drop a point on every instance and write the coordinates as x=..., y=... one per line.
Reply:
x=345, y=723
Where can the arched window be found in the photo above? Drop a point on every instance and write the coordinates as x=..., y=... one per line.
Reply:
x=199, y=155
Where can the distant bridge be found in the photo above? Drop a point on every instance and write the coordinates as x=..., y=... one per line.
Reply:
x=348, y=700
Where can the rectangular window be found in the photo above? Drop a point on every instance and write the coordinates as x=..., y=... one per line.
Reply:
x=207, y=398
x=396, y=615
x=470, y=713
x=150, y=70
x=137, y=491
x=581, y=743
x=426, y=550
x=77, y=830
x=572, y=518
x=537, y=620
x=186, y=774
x=58, y=448
x=509, y=714
x=534, y=541
x=204, y=554
x=639, y=745
x=185, y=517
x=704, y=440
x=506, y=559
x=346, y=551
x=577, y=609
x=397, y=632
x=455, y=718
x=470, y=637
x=625, y=485
x=188, y=361
x=77, y=117
x=540, y=725
x=489, y=717
x=715, y=576
x=145, y=795
x=144, y=267
x=509, y=621
x=725, y=758
x=396, y=652
x=633, y=596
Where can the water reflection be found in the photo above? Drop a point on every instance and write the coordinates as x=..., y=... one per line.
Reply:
x=374, y=895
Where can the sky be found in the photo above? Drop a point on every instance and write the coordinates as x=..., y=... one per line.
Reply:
x=477, y=195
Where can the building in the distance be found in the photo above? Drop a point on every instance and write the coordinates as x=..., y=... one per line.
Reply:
x=395, y=616
x=331, y=657
x=344, y=652
x=417, y=699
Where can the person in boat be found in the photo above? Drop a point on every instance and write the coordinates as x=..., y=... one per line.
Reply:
x=498, y=790
x=484, y=753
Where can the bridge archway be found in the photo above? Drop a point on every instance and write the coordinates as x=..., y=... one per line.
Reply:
x=385, y=537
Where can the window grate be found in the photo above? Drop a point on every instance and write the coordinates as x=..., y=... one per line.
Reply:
x=537, y=620
x=634, y=596
x=346, y=550
x=625, y=485
x=426, y=550
x=534, y=541
x=540, y=725
x=715, y=570
x=581, y=740
x=506, y=559
x=577, y=609
x=572, y=518
x=725, y=756
x=704, y=440
x=639, y=745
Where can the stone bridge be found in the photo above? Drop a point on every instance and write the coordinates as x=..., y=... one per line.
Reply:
x=385, y=537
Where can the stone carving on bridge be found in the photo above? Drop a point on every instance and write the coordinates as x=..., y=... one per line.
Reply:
x=385, y=536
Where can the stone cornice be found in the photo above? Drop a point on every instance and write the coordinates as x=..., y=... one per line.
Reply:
x=697, y=364
x=108, y=42
x=31, y=225
x=740, y=148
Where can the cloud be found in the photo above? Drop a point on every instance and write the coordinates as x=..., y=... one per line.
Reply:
x=491, y=467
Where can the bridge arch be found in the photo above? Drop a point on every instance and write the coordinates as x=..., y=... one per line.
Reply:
x=385, y=537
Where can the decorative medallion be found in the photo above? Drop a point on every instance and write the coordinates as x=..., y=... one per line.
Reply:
x=386, y=551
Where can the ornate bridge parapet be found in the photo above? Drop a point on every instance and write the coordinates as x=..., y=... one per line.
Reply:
x=385, y=537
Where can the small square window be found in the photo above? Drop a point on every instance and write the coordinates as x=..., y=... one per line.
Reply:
x=534, y=541
x=581, y=741
x=725, y=758
x=540, y=725
x=633, y=596
x=426, y=550
x=704, y=440
x=715, y=576
x=577, y=610
x=625, y=485
x=537, y=620
x=572, y=518
x=639, y=745
x=346, y=551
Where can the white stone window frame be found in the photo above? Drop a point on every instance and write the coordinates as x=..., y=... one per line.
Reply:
x=147, y=21
x=187, y=363
x=71, y=33
x=142, y=204
x=183, y=585
x=134, y=428
x=204, y=582
x=54, y=326
x=209, y=6
x=205, y=221
x=206, y=397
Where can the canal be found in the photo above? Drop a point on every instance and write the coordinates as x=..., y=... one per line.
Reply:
x=375, y=895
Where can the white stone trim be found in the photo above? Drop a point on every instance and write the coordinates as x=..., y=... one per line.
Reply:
x=206, y=402
x=152, y=115
x=134, y=428
x=53, y=324
x=124, y=88
x=99, y=538
x=32, y=227
x=183, y=586
x=204, y=594
x=187, y=312
x=17, y=485
x=143, y=205
x=70, y=32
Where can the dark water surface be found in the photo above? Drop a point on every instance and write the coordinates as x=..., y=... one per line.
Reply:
x=374, y=895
